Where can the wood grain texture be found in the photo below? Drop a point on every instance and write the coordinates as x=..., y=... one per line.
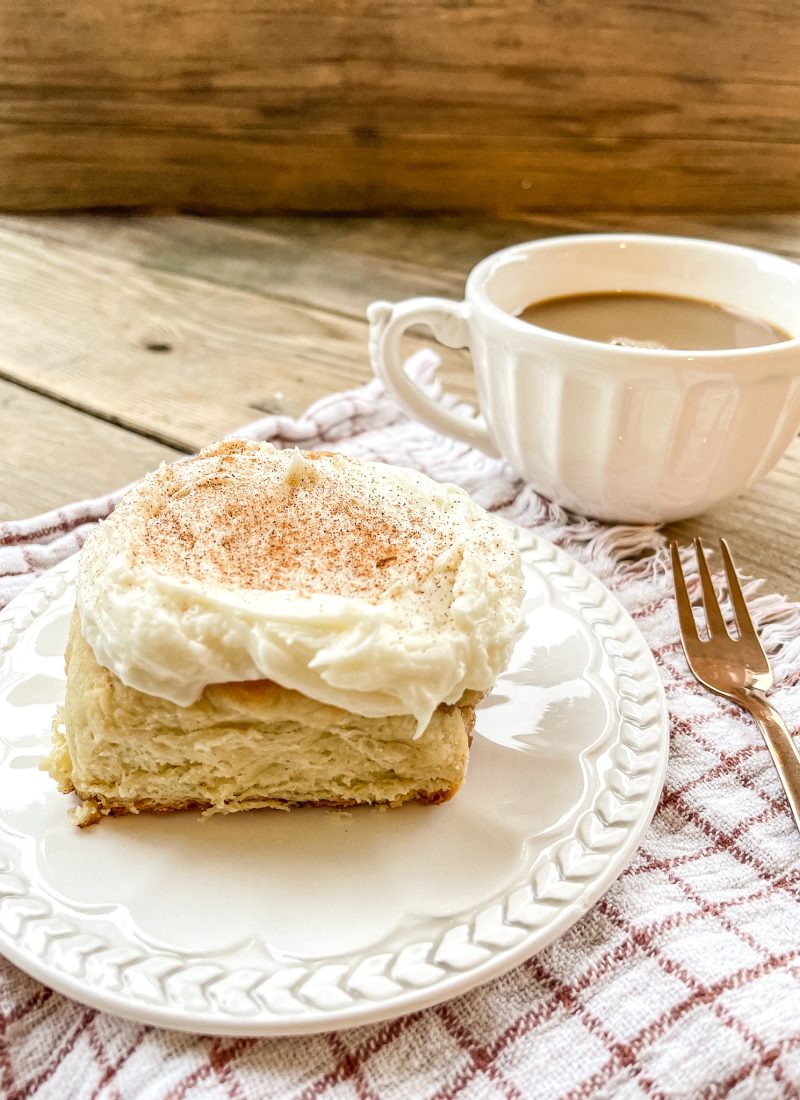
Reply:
x=336, y=264
x=159, y=354
x=494, y=105
x=52, y=454
x=178, y=359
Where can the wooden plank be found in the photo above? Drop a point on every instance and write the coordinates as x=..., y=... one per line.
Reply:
x=339, y=264
x=52, y=454
x=175, y=358
x=430, y=105
x=170, y=357
x=314, y=264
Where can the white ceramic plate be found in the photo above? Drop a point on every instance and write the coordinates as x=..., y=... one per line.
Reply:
x=268, y=923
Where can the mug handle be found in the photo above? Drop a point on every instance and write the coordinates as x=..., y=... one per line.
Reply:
x=449, y=324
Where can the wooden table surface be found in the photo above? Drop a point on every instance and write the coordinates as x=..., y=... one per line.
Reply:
x=128, y=340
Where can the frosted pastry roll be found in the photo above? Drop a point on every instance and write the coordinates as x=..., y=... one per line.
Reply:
x=261, y=627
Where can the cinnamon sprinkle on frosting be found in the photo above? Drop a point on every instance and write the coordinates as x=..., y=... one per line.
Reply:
x=308, y=522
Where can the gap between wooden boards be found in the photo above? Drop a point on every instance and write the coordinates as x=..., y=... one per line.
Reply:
x=52, y=454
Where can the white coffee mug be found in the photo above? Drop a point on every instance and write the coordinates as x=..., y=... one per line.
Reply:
x=628, y=434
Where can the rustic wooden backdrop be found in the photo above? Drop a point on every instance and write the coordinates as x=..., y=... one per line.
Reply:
x=353, y=105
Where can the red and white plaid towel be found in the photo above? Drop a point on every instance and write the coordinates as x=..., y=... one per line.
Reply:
x=683, y=981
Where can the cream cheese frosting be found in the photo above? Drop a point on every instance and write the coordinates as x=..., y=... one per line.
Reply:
x=362, y=585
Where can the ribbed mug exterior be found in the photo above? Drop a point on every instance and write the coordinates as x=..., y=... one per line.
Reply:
x=633, y=443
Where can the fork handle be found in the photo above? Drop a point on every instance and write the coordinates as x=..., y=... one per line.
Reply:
x=781, y=747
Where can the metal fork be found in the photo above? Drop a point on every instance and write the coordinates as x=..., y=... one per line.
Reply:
x=736, y=668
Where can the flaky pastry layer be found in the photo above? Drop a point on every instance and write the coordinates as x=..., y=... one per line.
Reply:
x=242, y=746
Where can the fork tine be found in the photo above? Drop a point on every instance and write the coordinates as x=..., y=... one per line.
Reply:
x=743, y=620
x=683, y=603
x=716, y=623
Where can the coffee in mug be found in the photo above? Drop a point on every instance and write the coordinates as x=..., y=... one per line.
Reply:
x=636, y=320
